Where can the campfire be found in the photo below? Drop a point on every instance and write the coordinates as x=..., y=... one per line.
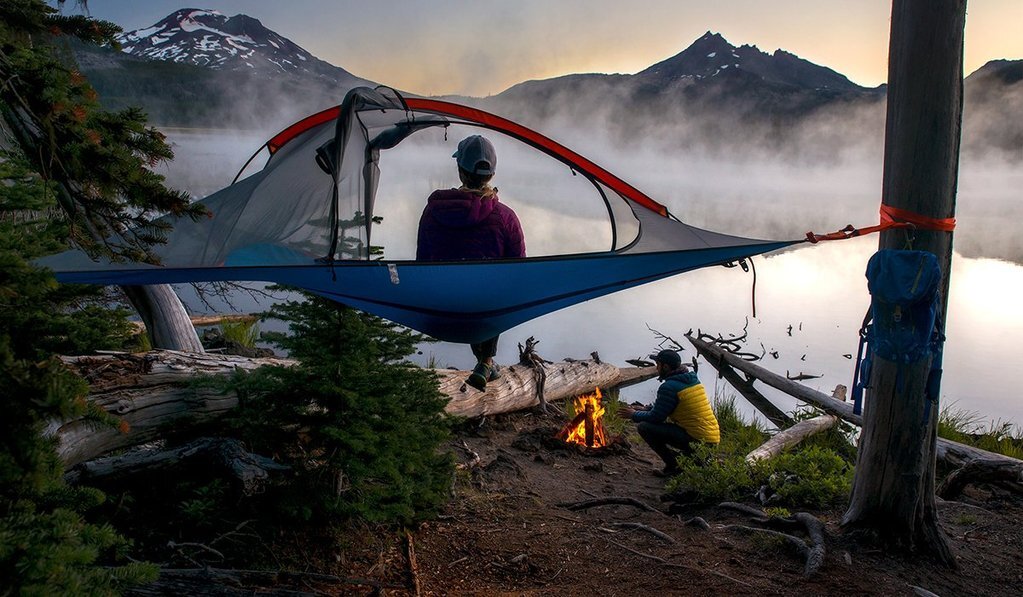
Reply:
x=587, y=427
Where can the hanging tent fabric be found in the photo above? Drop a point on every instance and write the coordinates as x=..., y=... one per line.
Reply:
x=306, y=218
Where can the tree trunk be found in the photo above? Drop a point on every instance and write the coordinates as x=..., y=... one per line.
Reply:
x=153, y=390
x=893, y=490
x=167, y=323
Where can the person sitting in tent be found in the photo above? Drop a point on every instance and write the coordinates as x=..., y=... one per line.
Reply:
x=680, y=416
x=469, y=223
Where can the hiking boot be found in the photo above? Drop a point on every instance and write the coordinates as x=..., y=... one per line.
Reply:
x=480, y=375
x=495, y=373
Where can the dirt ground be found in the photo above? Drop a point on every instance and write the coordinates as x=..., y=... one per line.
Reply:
x=508, y=529
x=505, y=532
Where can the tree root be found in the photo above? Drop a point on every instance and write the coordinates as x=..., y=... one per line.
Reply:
x=642, y=527
x=608, y=501
x=814, y=551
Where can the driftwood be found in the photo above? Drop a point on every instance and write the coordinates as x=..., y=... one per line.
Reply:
x=224, y=456
x=744, y=385
x=948, y=451
x=787, y=438
x=516, y=389
x=413, y=566
x=982, y=470
x=147, y=391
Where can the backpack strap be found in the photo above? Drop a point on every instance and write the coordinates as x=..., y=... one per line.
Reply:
x=861, y=374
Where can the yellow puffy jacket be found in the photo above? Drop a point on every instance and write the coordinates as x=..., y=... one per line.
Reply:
x=683, y=400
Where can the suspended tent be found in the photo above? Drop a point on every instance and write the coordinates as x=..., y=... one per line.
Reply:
x=306, y=220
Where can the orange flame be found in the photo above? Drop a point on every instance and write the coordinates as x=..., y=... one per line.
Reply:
x=587, y=428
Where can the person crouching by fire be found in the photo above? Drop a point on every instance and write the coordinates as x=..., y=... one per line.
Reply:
x=679, y=416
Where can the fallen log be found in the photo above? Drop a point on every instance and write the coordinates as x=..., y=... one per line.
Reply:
x=150, y=391
x=951, y=452
x=745, y=387
x=982, y=470
x=516, y=389
x=787, y=438
x=147, y=391
x=226, y=457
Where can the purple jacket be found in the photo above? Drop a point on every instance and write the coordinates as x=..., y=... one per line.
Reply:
x=459, y=225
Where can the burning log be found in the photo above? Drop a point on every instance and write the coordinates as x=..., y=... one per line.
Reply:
x=587, y=428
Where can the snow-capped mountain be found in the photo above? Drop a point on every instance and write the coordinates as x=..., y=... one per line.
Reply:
x=712, y=55
x=211, y=39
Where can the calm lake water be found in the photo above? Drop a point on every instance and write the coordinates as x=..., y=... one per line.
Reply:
x=820, y=291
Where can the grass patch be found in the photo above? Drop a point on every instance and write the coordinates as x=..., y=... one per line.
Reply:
x=241, y=332
x=968, y=427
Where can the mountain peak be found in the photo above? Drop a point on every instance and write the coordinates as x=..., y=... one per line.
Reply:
x=712, y=55
x=208, y=38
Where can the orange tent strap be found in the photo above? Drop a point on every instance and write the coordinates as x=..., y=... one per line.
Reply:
x=891, y=217
x=894, y=214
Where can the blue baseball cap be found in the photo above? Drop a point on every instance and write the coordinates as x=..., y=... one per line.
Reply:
x=476, y=155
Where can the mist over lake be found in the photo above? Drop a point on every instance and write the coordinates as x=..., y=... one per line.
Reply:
x=820, y=291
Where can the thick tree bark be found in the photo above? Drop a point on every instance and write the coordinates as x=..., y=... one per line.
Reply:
x=893, y=490
x=167, y=323
x=787, y=438
x=149, y=391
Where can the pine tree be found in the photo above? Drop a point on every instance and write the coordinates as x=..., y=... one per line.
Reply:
x=370, y=424
x=46, y=546
x=99, y=163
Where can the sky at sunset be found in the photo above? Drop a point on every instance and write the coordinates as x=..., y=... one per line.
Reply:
x=485, y=46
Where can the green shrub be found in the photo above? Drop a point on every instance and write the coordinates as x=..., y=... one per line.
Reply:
x=711, y=475
x=46, y=546
x=812, y=477
x=738, y=436
x=361, y=427
x=817, y=474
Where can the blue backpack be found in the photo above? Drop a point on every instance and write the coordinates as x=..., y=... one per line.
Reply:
x=902, y=324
